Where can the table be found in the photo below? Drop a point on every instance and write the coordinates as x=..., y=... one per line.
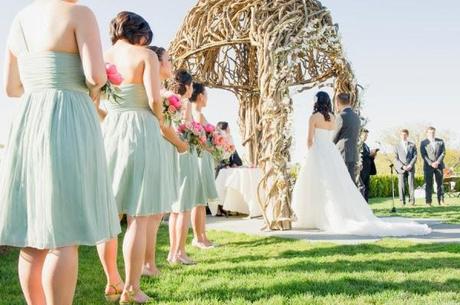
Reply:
x=237, y=190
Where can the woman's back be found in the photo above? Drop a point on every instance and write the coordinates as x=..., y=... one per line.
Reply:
x=129, y=60
x=53, y=31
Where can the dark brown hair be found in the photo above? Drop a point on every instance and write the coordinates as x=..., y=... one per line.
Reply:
x=405, y=131
x=323, y=105
x=159, y=51
x=344, y=98
x=182, y=79
x=132, y=27
x=222, y=125
x=431, y=128
x=198, y=89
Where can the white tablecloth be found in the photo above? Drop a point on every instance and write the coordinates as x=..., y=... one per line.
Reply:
x=237, y=190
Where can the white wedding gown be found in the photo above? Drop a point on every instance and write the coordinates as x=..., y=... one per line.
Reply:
x=326, y=198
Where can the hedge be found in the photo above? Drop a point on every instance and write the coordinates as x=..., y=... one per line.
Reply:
x=381, y=185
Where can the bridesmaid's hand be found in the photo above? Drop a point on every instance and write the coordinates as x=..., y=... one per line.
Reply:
x=182, y=147
x=96, y=97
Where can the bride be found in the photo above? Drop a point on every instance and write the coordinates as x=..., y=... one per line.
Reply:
x=325, y=197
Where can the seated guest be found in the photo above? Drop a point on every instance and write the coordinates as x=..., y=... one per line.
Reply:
x=234, y=160
x=368, y=168
x=433, y=151
x=405, y=159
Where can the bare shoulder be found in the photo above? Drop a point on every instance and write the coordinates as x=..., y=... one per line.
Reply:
x=314, y=118
x=24, y=13
x=333, y=117
x=146, y=54
x=82, y=13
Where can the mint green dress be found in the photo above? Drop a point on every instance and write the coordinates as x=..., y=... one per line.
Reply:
x=171, y=175
x=54, y=186
x=191, y=191
x=137, y=155
x=207, y=170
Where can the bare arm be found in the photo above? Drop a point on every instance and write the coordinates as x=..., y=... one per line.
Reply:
x=203, y=120
x=12, y=83
x=187, y=114
x=170, y=134
x=311, y=131
x=152, y=84
x=12, y=80
x=90, y=48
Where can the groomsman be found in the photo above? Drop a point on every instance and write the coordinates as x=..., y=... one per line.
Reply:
x=405, y=159
x=433, y=152
x=368, y=168
x=347, y=133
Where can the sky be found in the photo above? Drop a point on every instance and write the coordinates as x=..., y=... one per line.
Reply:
x=405, y=53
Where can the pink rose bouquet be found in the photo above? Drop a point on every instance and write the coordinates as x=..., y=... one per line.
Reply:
x=171, y=108
x=194, y=134
x=114, y=79
x=218, y=145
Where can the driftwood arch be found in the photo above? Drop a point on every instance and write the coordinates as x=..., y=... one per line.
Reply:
x=258, y=49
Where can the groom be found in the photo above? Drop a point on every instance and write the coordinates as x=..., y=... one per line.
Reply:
x=347, y=133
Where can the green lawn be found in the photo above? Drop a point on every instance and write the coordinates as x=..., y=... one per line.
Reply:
x=449, y=213
x=269, y=271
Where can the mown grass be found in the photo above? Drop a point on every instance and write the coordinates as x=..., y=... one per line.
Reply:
x=273, y=271
x=448, y=213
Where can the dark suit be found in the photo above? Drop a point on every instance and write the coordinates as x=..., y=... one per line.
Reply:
x=432, y=154
x=368, y=169
x=233, y=161
x=346, y=139
x=406, y=155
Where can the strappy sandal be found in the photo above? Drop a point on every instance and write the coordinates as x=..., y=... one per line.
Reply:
x=131, y=298
x=114, y=293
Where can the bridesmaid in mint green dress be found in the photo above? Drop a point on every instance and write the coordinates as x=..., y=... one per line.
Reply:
x=199, y=101
x=55, y=193
x=173, y=145
x=190, y=184
x=136, y=154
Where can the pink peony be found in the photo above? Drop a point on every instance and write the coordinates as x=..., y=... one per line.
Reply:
x=174, y=101
x=172, y=109
x=209, y=128
x=113, y=75
x=110, y=69
x=197, y=127
x=181, y=128
x=218, y=140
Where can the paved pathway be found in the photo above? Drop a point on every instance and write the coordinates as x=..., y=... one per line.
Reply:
x=441, y=232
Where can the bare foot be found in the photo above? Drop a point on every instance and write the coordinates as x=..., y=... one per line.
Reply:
x=134, y=296
x=151, y=271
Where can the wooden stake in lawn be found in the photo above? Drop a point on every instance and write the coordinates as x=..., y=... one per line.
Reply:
x=258, y=49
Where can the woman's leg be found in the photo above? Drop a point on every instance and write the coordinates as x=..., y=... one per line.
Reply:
x=133, y=254
x=108, y=252
x=196, y=225
x=59, y=275
x=204, y=236
x=182, y=228
x=173, y=241
x=150, y=267
x=30, y=267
